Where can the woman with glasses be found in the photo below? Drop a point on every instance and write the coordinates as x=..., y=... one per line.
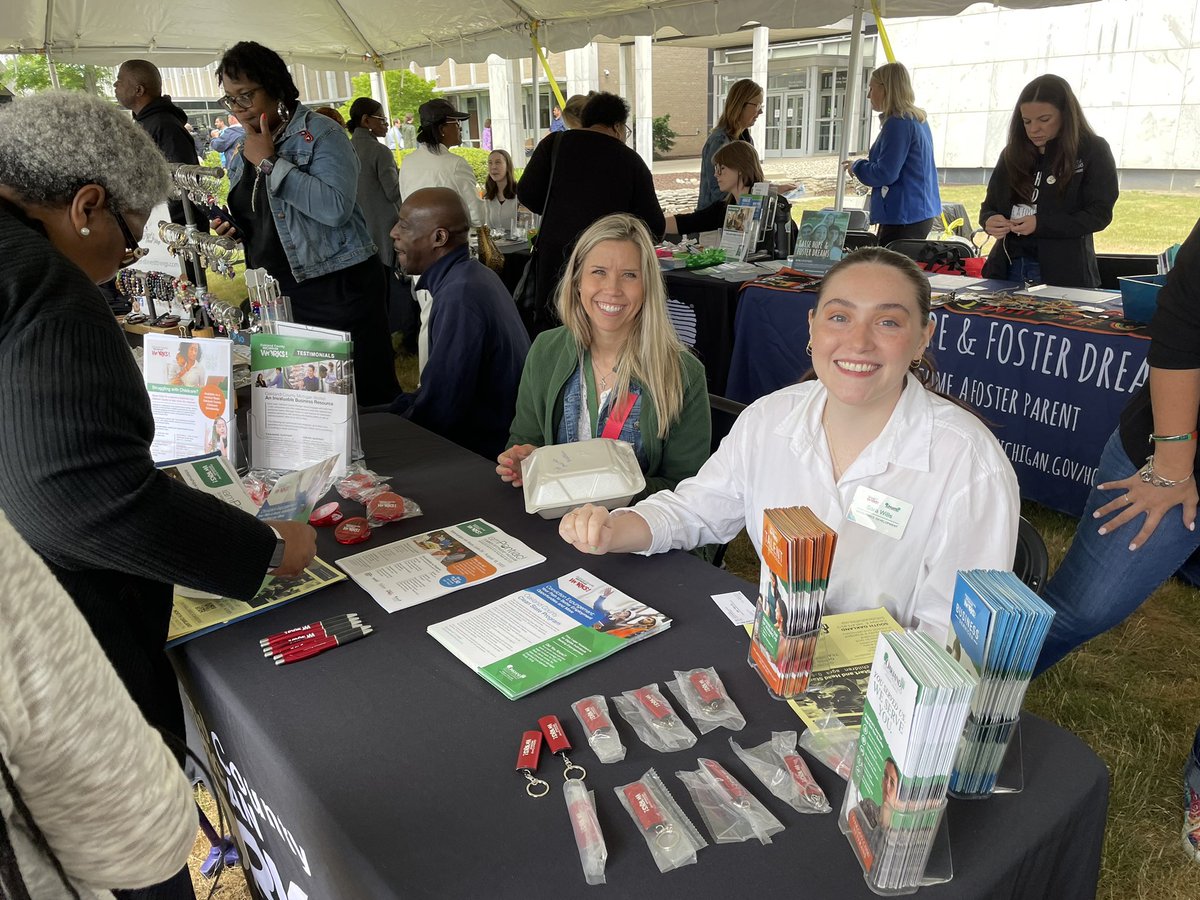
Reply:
x=595, y=175
x=378, y=178
x=899, y=169
x=76, y=476
x=293, y=182
x=743, y=105
x=737, y=170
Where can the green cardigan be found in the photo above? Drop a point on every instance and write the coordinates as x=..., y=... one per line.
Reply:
x=553, y=359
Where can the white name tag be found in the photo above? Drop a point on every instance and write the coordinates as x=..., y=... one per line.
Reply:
x=879, y=512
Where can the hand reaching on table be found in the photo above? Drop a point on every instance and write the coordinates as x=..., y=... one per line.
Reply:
x=594, y=530
x=509, y=468
x=300, y=546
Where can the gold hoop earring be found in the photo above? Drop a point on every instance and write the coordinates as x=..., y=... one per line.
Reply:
x=916, y=363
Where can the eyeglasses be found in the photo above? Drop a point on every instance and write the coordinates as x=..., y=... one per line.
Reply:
x=244, y=100
x=382, y=119
x=133, y=251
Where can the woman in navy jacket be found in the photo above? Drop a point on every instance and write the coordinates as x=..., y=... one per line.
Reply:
x=900, y=167
x=1054, y=185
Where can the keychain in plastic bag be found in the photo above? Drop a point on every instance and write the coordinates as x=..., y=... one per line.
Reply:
x=730, y=812
x=359, y=481
x=783, y=770
x=706, y=700
x=833, y=744
x=602, y=736
x=527, y=763
x=654, y=720
x=388, y=506
x=673, y=840
x=556, y=740
x=581, y=807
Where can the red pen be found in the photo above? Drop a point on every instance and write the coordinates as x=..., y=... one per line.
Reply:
x=299, y=628
x=312, y=648
x=278, y=645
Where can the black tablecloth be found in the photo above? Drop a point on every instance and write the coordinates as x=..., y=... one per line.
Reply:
x=385, y=768
x=702, y=308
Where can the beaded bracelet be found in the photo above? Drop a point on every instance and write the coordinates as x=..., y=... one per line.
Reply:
x=1170, y=438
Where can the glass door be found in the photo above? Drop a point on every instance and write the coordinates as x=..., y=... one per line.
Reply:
x=795, y=108
x=775, y=125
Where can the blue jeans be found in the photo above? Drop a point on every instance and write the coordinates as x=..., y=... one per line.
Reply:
x=1024, y=269
x=1101, y=582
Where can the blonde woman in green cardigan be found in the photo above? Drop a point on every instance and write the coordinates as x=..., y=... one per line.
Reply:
x=615, y=368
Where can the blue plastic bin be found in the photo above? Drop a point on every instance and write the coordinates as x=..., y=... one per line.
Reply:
x=1139, y=295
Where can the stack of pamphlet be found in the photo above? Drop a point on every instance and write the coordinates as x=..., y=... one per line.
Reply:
x=797, y=554
x=917, y=701
x=999, y=627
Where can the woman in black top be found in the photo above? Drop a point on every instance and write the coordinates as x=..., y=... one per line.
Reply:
x=595, y=175
x=737, y=170
x=1054, y=186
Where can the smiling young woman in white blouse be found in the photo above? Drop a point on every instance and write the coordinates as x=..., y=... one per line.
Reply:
x=870, y=428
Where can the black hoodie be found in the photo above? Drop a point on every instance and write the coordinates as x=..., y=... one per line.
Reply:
x=163, y=121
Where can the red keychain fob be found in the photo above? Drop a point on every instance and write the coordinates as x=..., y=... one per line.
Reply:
x=556, y=740
x=649, y=816
x=527, y=763
x=664, y=716
x=710, y=695
x=737, y=794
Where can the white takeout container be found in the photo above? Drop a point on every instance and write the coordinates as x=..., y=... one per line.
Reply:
x=560, y=477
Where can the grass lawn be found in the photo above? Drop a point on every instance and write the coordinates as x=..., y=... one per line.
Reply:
x=1143, y=221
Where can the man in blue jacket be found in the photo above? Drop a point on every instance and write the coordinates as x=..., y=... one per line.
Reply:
x=477, y=343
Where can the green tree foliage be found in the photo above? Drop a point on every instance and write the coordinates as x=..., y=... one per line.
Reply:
x=664, y=135
x=30, y=73
x=406, y=92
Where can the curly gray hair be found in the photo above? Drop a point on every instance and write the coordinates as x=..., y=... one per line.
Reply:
x=55, y=142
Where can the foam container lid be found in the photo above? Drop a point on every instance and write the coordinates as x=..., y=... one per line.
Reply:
x=559, y=477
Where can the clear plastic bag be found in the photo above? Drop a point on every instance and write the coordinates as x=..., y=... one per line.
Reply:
x=385, y=506
x=783, y=771
x=581, y=807
x=360, y=483
x=654, y=720
x=704, y=696
x=672, y=838
x=730, y=812
x=597, y=723
x=832, y=744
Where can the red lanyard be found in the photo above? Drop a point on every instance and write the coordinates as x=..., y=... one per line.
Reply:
x=617, y=416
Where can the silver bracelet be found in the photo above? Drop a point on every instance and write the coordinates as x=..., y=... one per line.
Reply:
x=1149, y=476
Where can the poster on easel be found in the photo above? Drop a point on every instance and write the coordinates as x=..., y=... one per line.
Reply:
x=302, y=400
x=188, y=381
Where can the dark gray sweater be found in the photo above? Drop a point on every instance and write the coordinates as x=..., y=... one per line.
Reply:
x=77, y=480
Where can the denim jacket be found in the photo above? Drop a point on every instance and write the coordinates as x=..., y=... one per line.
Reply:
x=313, y=190
x=631, y=428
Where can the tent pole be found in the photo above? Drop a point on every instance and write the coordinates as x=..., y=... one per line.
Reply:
x=851, y=108
x=537, y=99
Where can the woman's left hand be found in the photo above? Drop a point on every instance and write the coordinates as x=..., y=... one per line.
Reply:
x=848, y=165
x=1154, y=502
x=1025, y=225
x=258, y=144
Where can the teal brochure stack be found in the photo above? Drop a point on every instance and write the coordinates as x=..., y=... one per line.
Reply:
x=999, y=626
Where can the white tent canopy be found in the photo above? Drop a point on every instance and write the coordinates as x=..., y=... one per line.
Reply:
x=348, y=34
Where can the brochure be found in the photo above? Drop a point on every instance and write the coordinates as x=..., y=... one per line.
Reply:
x=302, y=401
x=188, y=381
x=917, y=702
x=821, y=240
x=842, y=667
x=439, y=562
x=526, y=640
x=737, y=237
x=329, y=385
x=193, y=616
x=293, y=497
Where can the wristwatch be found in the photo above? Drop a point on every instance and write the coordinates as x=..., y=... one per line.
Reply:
x=266, y=165
x=277, y=556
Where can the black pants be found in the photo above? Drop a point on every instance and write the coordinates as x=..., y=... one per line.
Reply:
x=404, y=315
x=178, y=887
x=917, y=231
x=354, y=299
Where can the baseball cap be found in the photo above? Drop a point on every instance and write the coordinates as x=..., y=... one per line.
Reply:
x=434, y=112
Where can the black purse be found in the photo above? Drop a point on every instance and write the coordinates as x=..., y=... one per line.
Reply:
x=525, y=294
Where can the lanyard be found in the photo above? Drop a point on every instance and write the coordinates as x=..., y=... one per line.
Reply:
x=616, y=418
